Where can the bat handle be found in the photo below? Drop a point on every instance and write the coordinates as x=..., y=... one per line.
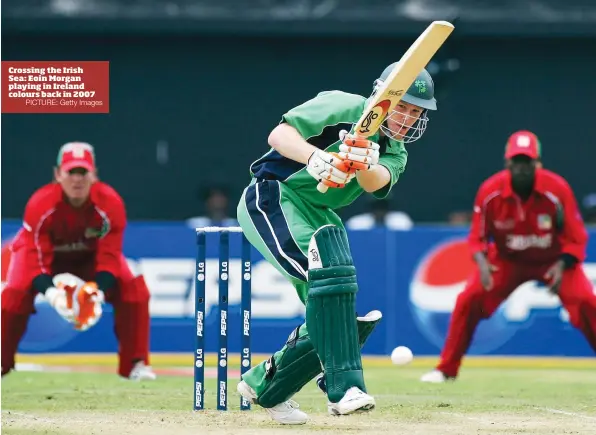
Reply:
x=322, y=188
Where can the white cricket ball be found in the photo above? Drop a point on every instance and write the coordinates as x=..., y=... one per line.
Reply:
x=402, y=355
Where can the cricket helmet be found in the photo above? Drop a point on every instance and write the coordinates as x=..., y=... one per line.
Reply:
x=422, y=94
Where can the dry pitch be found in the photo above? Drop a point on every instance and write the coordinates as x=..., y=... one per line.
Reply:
x=492, y=396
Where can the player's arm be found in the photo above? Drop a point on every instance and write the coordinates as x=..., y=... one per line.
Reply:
x=380, y=178
x=307, y=122
x=574, y=236
x=36, y=237
x=40, y=254
x=109, y=246
x=287, y=141
x=479, y=236
x=376, y=178
x=322, y=166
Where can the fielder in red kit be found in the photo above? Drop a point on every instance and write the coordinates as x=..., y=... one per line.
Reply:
x=526, y=226
x=74, y=228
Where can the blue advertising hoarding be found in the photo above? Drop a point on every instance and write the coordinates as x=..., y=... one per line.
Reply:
x=413, y=277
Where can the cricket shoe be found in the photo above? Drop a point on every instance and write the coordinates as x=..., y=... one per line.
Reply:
x=142, y=372
x=436, y=377
x=354, y=400
x=284, y=413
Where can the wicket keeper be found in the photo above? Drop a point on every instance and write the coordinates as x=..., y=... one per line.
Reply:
x=526, y=226
x=296, y=229
x=70, y=250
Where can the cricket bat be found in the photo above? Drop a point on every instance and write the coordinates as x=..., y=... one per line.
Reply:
x=399, y=81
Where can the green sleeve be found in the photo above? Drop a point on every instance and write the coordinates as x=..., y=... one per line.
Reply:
x=327, y=108
x=394, y=159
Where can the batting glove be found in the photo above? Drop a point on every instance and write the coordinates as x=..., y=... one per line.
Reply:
x=329, y=169
x=358, y=153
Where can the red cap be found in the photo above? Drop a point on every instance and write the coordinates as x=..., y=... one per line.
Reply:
x=76, y=155
x=525, y=143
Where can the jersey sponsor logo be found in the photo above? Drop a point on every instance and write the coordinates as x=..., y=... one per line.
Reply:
x=519, y=242
x=71, y=247
x=544, y=222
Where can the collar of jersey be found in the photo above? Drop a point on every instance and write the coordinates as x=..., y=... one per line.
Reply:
x=539, y=186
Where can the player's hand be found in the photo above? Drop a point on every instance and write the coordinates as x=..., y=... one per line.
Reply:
x=358, y=153
x=486, y=276
x=329, y=169
x=61, y=300
x=554, y=276
x=89, y=300
x=486, y=271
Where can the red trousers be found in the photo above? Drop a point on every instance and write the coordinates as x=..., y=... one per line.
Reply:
x=130, y=299
x=474, y=304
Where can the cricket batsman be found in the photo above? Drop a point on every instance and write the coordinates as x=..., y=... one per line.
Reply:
x=70, y=250
x=526, y=226
x=296, y=229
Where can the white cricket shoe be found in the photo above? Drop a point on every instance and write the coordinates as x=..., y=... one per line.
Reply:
x=142, y=372
x=284, y=413
x=354, y=400
x=436, y=377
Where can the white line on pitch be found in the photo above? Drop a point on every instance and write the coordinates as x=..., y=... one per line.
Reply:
x=559, y=411
x=467, y=417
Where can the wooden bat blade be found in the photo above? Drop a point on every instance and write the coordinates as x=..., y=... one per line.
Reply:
x=403, y=75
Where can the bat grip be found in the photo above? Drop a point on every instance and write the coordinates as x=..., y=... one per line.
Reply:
x=322, y=188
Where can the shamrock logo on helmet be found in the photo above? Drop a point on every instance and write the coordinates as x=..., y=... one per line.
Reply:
x=421, y=86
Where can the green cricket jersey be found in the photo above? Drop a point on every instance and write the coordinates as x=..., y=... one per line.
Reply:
x=319, y=121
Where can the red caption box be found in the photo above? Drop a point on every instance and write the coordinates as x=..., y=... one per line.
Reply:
x=55, y=87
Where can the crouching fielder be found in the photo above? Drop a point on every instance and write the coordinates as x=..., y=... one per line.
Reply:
x=70, y=250
x=526, y=227
x=295, y=228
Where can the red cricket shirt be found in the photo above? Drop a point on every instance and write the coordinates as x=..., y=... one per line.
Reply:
x=55, y=232
x=536, y=231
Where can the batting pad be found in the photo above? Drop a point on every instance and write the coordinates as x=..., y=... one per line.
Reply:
x=330, y=311
x=298, y=363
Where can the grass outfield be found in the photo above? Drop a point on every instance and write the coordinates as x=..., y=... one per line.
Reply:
x=492, y=396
